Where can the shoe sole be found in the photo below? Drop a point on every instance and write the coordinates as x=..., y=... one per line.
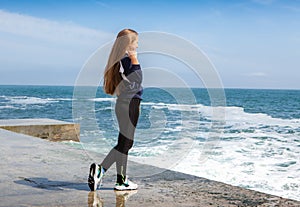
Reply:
x=121, y=188
x=92, y=177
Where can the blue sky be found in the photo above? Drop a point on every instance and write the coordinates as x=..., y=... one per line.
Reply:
x=252, y=43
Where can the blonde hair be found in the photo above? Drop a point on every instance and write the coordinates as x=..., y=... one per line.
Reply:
x=112, y=76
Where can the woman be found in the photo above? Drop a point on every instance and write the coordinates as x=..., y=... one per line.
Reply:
x=123, y=77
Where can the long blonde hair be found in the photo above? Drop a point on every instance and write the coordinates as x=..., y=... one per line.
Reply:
x=112, y=76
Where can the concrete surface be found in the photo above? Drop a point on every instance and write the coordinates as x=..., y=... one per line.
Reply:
x=37, y=172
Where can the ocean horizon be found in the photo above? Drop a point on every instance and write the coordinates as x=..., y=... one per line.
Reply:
x=195, y=87
x=258, y=147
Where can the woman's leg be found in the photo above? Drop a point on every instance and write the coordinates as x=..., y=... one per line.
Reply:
x=126, y=137
x=127, y=112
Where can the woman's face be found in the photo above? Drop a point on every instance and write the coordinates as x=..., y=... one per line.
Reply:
x=134, y=44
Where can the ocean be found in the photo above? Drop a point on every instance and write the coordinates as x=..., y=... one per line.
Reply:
x=257, y=148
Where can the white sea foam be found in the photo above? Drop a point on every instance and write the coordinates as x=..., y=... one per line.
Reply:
x=146, y=151
x=268, y=167
x=103, y=99
x=7, y=107
x=65, y=99
x=31, y=100
x=28, y=100
x=233, y=114
x=104, y=109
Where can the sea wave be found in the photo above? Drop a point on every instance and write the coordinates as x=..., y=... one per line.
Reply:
x=29, y=100
x=103, y=99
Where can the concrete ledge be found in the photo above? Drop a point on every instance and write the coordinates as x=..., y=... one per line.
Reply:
x=49, y=129
x=37, y=172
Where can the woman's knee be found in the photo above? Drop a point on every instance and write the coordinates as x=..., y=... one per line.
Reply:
x=124, y=146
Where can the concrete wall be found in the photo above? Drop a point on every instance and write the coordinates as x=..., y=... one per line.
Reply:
x=49, y=129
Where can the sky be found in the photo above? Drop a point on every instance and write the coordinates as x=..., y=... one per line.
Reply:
x=251, y=43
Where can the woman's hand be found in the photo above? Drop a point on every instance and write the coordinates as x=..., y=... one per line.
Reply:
x=132, y=54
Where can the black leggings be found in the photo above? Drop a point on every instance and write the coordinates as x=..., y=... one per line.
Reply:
x=127, y=112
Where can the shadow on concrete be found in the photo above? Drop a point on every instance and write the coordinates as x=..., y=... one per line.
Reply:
x=45, y=183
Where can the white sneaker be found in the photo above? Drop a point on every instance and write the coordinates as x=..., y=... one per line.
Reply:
x=127, y=185
x=95, y=176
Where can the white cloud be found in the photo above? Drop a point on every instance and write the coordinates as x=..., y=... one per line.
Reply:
x=35, y=50
x=62, y=32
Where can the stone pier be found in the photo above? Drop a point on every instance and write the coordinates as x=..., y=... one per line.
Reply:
x=50, y=129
